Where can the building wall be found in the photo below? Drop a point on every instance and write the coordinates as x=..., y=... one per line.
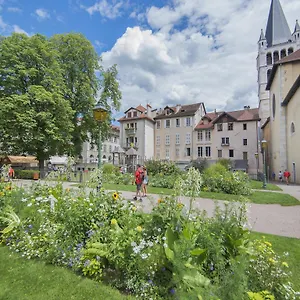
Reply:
x=283, y=144
x=236, y=143
x=177, y=151
x=149, y=140
x=293, y=138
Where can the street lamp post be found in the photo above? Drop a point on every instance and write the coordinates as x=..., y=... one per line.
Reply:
x=264, y=147
x=100, y=115
x=256, y=156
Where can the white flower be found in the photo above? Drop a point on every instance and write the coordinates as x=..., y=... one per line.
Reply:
x=165, y=245
x=164, y=238
x=29, y=204
x=133, y=244
x=158, y=229
x=144, y=256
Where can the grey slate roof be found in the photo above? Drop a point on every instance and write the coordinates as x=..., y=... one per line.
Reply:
x=262, y=36
x=278, y=30
x=297, y=27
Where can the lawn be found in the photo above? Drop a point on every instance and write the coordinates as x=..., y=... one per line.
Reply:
x=258, y=197
x=257, y=185
x=34, y=280
x=284, y=244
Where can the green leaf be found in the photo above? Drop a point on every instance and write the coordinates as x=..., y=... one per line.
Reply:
x=169, y=254
x=198, y=251
x=171, y=237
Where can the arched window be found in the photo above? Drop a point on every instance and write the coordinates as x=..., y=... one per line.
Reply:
x=109, y=158
x=268, y=74
x=292, y=128
x=282, y=53
x=269, y=59
x=275, y=56
x=274, y=106
x=290, y=51
x=104, y=157
x=91, y=158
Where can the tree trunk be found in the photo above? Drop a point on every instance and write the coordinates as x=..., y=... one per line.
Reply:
x=42, y=168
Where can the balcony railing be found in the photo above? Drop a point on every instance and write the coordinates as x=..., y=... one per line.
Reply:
x=225, y=144
x=130, y=131
x=126, y=146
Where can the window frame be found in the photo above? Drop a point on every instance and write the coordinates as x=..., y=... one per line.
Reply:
x=158, y=124
x=219, y=126
x=168, y=121
x=245, y=142
x=230, y=126
x=188, y=122
x=167, y=140
x=177, y=123
x=231, y=151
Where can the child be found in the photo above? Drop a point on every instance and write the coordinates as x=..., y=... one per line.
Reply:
x=145, y=182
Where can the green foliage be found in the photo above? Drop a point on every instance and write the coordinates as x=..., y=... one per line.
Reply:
x=264, y=295
x=218, y=179
x=110, y=169
x=25, y=174
x=227, y=163
x=45, y=84
x=174, y=251
x=200, y=164
x=155, y=167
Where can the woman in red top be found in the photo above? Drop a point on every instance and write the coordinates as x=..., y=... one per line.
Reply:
x=287, y=175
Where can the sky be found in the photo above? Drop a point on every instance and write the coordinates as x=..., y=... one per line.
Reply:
x=167, y=51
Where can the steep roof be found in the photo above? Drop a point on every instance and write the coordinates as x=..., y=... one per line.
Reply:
x=140, y=108
x=278, y=30
x=292, y=92
x=238, y=115
x=295, y=56
x=297, y=27
x=140, y=117
x=185, y=110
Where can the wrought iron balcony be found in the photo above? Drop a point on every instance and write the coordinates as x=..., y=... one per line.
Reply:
x=127, y=146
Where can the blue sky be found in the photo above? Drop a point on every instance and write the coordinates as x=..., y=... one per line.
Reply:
x=167, y=52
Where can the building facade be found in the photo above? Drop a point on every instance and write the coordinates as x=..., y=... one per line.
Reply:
x=281, y=130
x=230, y=135
x=174, y=127
x=277, y=43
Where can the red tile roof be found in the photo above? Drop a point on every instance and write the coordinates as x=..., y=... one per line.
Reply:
x=142, y=116
x=237, y=115
x=141, y=108
x=114, y=127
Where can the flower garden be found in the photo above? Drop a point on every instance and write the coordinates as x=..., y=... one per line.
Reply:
x=174, y=252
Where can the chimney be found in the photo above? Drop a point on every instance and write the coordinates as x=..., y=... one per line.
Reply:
x=178, y=106
x=246, y=107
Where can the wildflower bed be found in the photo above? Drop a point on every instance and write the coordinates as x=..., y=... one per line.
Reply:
x=171, y=253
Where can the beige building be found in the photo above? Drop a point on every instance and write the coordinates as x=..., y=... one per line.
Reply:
x=282, y=136
x=174, y=131
x=231, y=135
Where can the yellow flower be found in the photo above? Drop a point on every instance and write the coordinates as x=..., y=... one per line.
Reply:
x=1, y=194
x=113, y=222
x=115, y=196
x=159, y=201
x=268, y=244
x=67, y=190
x=8, y=187
x=272, y=261
x=285, y=264
x=134, y=208
x=180, y=205
x=139, y=229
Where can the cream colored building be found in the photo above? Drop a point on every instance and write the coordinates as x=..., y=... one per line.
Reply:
x=284, y=122
x=231, y=135
x=174, y=132
x=137, y=132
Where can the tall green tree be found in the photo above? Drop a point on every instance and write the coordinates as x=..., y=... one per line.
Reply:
x=35, y=116
x=86, y=82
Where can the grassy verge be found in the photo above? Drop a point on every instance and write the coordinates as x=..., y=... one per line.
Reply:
x=257, y=185
x=34, y=280
x=284, y=244
x=257, y=197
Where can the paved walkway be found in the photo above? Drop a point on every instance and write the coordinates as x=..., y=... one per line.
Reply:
x=264, y=218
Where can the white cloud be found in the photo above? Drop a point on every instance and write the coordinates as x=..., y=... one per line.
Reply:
x=14, y=9
x=106, y=9
x=3, y=25
x=98, y=44
x=200, y=50
x=18, y=29
x=42, y=14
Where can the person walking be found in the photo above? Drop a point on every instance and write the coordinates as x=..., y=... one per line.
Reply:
x=145, y=182
x=139, y=177
x=287, y=175
x=11, y=173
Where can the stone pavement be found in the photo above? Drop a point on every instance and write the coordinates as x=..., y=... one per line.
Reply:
x=264, y=218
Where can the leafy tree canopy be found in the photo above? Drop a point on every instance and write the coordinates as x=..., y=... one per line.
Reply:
x=44, y=84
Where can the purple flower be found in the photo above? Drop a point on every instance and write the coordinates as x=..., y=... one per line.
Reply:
x=172, y=291
x=87, y=263
x=150, y=281
x=30, y=226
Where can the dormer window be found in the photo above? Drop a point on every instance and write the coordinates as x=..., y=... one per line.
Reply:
x=129, y=115
x=135, y=114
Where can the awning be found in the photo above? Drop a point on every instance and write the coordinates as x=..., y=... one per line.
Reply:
x=131, y=151
x=20, y=159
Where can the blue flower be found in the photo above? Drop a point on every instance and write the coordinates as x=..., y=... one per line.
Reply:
x=30, y=226
x=172, y=291
x=87, y=263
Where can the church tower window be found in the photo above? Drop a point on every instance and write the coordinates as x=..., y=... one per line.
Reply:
x=275, y=56
x=282, y=53
x=290, y=51
x=269, y=59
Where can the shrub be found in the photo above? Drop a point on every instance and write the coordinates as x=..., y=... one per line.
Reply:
x=155, y=167
x=25, y=174
x=199, y=164
x=110, y=169
x=218, y=179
